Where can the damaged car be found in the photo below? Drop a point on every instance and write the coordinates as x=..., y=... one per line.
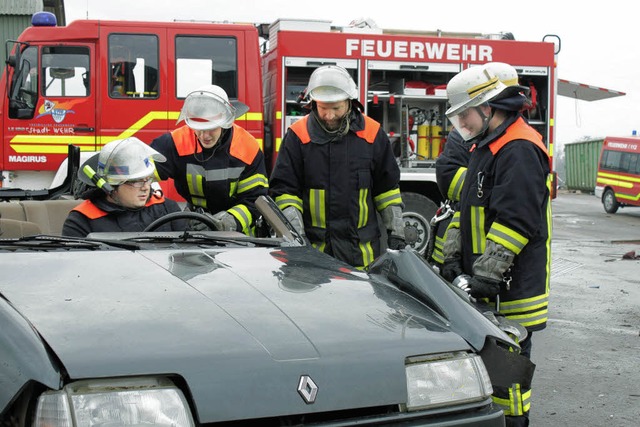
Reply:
x=215, y=328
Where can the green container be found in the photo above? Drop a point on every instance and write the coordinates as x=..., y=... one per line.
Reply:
x=581, y=164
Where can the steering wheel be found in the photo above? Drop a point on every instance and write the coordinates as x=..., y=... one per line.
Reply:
x=181, y=215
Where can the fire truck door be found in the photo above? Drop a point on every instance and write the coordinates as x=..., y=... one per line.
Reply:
x=61, y=109
x=133, y=102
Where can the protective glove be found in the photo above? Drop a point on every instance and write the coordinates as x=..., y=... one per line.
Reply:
x=482, y=287
x=196, y=225
x=295, y=218
x=394, y=242
x=224, y=221
x=494, y=262
x=392, y=220
x=451, y=268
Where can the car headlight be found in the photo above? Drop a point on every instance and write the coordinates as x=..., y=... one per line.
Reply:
x=121, y=402
x=446, y=379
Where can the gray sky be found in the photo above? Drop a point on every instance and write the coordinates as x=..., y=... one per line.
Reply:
x=599, y=43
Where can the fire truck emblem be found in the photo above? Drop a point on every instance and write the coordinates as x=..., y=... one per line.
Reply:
x=49, y=108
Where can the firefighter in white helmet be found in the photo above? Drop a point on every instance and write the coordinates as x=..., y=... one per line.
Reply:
x=335, y=171
x=504, y=219
x=451, y=164
x=217, y=166
x=120, y=197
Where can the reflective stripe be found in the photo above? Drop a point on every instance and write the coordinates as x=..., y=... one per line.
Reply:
x=367, y=254
x=242, y=214
x=257, y=180
x=319, y=245
x=286, y=200
x=517, y=404
x=455, y=188
x=507, y=237
x=363, y=207
x=478, y=238
x=391, y=197
x=438, y=255
x=317, y=208
x=528, y=311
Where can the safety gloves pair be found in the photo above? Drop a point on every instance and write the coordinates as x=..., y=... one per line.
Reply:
x=223, y=221
x=488, y=269
x=392, y=220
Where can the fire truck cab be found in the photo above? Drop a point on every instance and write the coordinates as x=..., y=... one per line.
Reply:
x=618, y=176
x=402, y=79
x=91, y=82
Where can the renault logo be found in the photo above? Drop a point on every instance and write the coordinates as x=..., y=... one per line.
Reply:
x=307, y=389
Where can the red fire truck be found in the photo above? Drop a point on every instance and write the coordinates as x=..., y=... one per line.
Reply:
x=95, y=81
x=618, y=177
x=91, y=82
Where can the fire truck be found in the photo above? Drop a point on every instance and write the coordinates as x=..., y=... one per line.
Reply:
x=92, y=81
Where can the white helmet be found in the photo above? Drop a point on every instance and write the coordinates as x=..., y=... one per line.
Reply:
x=331, y=83
x=468, y=89
x=209, y=108
x=472, y=87
x=505, y=72
x=120, y=161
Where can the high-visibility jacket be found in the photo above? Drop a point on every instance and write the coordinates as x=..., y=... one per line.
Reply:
x=97, y=214
x=338, y=185
x=228, y=177
x=506, y=198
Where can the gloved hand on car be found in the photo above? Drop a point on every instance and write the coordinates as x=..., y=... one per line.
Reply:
x=482, y=287
x=223, y=221
x=392, y=220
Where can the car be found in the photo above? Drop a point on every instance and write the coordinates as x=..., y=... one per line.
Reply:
x=215, y=328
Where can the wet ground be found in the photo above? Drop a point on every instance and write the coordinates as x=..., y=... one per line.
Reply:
x=588, y=358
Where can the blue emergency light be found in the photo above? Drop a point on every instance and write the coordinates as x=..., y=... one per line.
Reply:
x=44, y=19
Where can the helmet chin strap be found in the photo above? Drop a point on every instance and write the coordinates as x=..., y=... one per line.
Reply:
x=485, y=119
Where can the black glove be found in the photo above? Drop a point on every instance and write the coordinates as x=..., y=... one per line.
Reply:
x=394, y=242
x=483, y=287
x=451, y=268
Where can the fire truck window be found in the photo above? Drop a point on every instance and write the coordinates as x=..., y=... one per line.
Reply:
x=23, y=94
x=64, y=71
x=206, y=60
x=133, y=66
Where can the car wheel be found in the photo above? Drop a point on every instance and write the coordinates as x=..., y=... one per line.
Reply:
x=609, y=201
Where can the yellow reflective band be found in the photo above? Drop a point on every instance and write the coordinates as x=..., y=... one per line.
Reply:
x=233, y=188
x=391, y=197
x=507, y=237
x=455, y=189
x=256, y=180
x=617, y=176
x=243, y=215
x=492, y=83
x=59, y=144
x=317, y=208
x=286, y=200
x=363, y=207
x=367, y=254
x=478, y=238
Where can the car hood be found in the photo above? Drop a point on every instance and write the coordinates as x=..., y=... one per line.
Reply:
x=235, y=324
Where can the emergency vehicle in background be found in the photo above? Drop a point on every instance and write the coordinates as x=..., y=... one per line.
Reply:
x=91, y=82
x=618, y=177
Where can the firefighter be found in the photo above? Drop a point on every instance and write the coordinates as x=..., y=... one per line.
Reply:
x=335, y=171
x=120, y=197
x=504, y=221
x=451, y=165
x=217, y=166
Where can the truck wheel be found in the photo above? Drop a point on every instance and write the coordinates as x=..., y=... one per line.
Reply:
x=609, y=201
x=418, y=211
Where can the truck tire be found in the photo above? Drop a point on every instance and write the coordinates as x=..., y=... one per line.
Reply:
x=609, y=201
x=417, y=213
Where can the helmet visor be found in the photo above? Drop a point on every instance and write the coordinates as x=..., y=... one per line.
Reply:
x=470, y=122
